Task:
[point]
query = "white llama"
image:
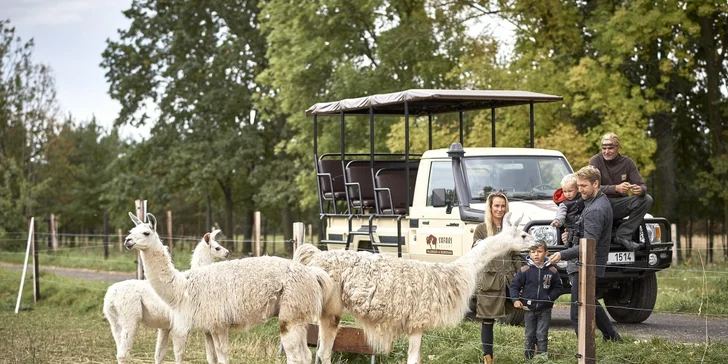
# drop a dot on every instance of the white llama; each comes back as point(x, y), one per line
point(132, 301)
point(393, 297)
point(239, 293)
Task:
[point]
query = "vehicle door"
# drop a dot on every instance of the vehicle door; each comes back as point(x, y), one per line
point(439, 236)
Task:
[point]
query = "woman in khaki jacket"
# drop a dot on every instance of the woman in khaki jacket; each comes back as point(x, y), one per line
point(494, 279)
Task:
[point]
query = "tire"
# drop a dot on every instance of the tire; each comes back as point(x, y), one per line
point(633, 301)
point(514, 318)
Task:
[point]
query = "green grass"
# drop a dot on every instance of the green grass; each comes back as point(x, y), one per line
point(688, 288)
point(67, 326)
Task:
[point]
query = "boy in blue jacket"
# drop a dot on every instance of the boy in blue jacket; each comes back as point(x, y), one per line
point(537, 285)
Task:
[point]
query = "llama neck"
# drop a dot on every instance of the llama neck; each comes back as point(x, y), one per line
point(201, 256)
point(162, 275)
point(477, 258)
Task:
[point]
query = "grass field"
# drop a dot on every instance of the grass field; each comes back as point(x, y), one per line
point(67, 326)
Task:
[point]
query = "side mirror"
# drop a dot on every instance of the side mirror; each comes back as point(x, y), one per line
point(440, 199)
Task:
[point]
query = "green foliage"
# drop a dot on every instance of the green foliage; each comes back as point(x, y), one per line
point(198, 63)
point(359, 48)
point(27, 112)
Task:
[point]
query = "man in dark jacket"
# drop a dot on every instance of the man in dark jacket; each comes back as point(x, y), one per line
point(596, 220)
point(537, 285)
point(625, 188)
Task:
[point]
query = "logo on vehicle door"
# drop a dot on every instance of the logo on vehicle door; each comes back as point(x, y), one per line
point(432, 242)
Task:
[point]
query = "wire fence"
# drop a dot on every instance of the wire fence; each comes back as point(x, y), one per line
point(700, 281)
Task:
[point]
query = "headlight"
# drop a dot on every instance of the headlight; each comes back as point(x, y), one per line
point(653, 233)
point(545, 233)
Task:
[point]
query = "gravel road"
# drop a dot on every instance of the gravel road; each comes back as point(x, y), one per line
point(678, 327)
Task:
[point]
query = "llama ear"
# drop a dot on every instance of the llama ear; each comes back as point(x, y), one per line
point(214, 233)
point(507, 220)
point(518, 221)
point(135, 219)
point(206, 238)
point(152, 220)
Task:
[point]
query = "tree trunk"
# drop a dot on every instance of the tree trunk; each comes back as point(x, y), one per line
point(229, 205)
point(667, 192)
point(287, 221)
point(248, 232)
point(689, 251)
point(713, 62)
point(208, 212)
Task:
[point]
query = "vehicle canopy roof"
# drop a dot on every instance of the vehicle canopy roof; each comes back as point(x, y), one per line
point(430, 101)
point(500, 152)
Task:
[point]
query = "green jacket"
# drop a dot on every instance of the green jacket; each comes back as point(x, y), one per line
point(494, 280)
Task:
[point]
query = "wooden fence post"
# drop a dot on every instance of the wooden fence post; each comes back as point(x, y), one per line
point(299, 233)
point(310, 233)
point(36, 271)
point(25, 263)
point(106, 235)
point(256, 228)
point(121, 242)
point(587, 280)
point(676, 253)
point(54, 234)
point(141, 212)
point(169, 232)
point(50, 239)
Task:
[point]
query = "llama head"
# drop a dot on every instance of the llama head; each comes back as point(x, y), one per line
point(513, 235)
point(216, 250)
point(305, 253)
point(510, 237)
point(143, 235)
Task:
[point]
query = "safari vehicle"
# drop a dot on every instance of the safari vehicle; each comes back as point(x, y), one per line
point(426, 206)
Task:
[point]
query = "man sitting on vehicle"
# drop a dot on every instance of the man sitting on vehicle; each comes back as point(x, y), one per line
point(623, 184)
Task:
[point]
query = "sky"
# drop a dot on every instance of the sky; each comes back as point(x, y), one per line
point(69, 37)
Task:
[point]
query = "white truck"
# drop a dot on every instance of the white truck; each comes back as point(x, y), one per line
point(426, 206)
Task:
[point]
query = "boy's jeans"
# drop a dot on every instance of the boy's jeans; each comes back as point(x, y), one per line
point(537, 331)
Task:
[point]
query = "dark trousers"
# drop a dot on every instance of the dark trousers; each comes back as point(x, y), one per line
point(633, 206)
point(537, 331)
point(602, 320)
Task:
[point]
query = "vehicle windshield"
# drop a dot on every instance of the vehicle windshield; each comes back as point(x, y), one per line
point(520, 177)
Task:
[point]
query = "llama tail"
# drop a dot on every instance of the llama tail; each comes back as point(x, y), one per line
point(331, 304)
point(305, 253)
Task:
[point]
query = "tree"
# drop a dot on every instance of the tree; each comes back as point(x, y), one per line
point(361, 48)
point(27, 112)
point(197, 62)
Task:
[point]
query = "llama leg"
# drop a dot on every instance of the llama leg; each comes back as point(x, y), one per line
point(126, 336)
point(293, 338)
point(162, 341)
point(413, 350)
point(220, 337)
point(328, 327)
point(116, 332)
point(179, 342)
point(210, 348)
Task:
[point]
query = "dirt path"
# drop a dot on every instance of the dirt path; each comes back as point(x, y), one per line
point(678, 327)
point(87, 274)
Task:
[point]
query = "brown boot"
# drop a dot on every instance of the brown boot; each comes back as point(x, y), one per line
point(487, 359)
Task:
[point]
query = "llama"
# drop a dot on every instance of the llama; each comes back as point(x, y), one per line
point(132, 301)
point(238, 293)
point(393, 297)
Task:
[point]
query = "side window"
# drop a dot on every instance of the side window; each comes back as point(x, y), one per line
point(441, 177)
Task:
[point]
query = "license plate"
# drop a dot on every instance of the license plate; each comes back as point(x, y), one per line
point(620, 258)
